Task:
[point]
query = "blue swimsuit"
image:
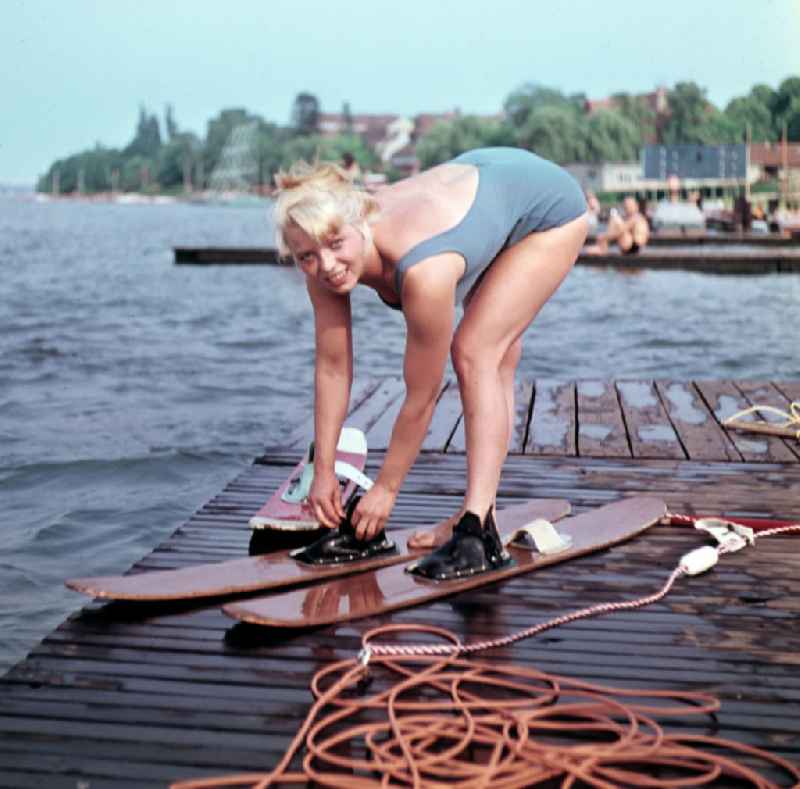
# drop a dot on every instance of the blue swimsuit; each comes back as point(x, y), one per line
point(518, 193)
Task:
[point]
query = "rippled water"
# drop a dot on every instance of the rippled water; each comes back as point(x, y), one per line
point(132, 389)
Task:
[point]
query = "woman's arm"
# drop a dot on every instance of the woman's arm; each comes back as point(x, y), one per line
point(333, 376)
point(428, 307)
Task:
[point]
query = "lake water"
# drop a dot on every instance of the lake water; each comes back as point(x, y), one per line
point(132, 390)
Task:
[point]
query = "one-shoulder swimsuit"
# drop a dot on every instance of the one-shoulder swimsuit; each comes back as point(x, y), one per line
point(518, 193)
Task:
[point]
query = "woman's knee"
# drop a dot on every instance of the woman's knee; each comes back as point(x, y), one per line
point(471, 357)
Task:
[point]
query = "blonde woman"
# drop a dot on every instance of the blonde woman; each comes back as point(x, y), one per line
point(497, 229)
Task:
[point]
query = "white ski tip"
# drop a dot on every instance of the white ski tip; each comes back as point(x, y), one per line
point(353, 441)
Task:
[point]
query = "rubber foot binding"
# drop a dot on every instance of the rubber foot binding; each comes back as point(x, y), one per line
point(341, 545)
point(473, 549)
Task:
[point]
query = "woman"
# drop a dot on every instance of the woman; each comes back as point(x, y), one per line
point(495, 228)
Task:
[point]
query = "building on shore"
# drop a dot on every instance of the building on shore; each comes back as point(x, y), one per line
point(715, 171)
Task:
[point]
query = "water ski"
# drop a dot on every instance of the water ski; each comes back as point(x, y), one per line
point(286, 509)
point(278, 570)
point(390, 588)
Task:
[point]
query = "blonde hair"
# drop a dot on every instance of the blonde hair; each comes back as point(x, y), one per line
point(320, 198)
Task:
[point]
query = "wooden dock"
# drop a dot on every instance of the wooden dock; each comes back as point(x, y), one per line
point(136, 696)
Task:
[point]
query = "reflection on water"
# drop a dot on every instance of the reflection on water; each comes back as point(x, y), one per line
point(132, 389)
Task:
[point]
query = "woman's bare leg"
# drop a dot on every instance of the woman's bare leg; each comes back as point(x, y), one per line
point(512, 292)
point(617, 233)
point(431, 538)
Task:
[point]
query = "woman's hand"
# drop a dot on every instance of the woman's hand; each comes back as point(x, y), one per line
point(325, 499)
point(373, 511)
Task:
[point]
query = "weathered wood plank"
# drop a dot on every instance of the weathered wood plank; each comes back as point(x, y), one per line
point(789, 389)
point(445, 418)
point(523, 397)
point(699, 432)
point(601, 428)
point(361, 390)
point(552, 428)
point(371, 415)
point(649, 429)
point(523, 392)
point(724, 399)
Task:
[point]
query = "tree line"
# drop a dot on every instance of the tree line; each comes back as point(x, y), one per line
point(162, 157)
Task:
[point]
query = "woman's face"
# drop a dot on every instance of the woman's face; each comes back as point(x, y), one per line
point(337, 262)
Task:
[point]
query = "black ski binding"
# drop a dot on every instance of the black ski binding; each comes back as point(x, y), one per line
point(340, 546)
point(472, 549)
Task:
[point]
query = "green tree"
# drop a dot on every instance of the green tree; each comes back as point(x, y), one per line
point(753, 111)
point(138, 174)
point(147, 137)
point(177, 159)
point(529, 98)
point(450, 138)
point(719, 128)
point(312, 147)
point(689, 110)
point(610, 136)
point(169, 123)
point(786, 108)
point(639, 113)
point(90, 169)
point(556, 133)
point(305, 114)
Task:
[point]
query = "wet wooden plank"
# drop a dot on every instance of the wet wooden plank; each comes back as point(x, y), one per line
point(789, 389)
point(724, 399)
point(601, 428)
point(371, 410)
point(552, 427)
point(650, 432)
point(445, 418)
point(766, 393)
point(523, 397)
point(360, 392)
point(700, 434)
point(383, 407)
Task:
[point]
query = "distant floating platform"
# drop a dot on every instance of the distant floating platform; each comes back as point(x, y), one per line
point(716, 259)
point(732, 257)
point(704, 238)
point(228, 255)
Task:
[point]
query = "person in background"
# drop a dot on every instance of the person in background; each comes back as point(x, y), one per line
point(351, 167)
point(630, 232)
point(593, 211)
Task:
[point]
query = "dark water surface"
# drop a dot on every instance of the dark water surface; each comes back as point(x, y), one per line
point(132, 390)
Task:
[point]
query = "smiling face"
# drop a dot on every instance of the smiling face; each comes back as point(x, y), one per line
point(336, 262)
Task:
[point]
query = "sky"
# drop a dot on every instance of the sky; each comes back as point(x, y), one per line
point(75, 73)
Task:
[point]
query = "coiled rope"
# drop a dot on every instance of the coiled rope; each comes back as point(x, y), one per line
point(789, 427)
point(444, 721)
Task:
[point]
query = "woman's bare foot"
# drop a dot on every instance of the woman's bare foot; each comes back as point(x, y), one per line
point(433, 538)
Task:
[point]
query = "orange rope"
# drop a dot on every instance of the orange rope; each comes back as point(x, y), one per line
point(444, 721)
point(447, 721)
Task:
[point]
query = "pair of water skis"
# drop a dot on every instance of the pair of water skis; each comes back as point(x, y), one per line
point(299, 589)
